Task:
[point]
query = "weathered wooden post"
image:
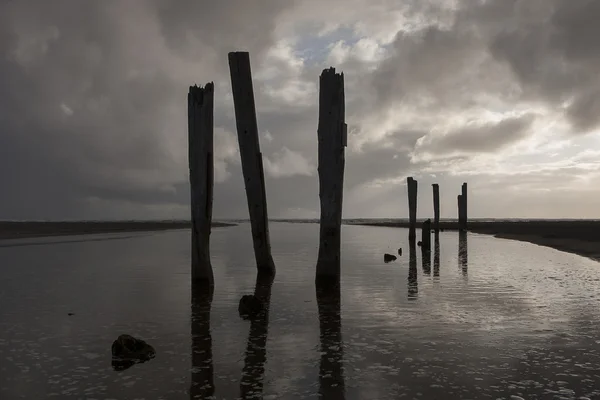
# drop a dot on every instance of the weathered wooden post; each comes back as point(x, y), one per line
point(331, 375)
point(426, 235)
point(332, 138)
point(412, 186)
point(200, 158)
point(203, 386)
point(464, 206)
point(436, 207)
point(252, 166)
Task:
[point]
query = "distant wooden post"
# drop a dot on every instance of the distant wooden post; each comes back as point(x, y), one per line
point(464, 206)
point(332, 139)
point(412, 186)
point(426, 235)
point(200, 157)
point(460, 211)
point(436, 207)
point(252, 166)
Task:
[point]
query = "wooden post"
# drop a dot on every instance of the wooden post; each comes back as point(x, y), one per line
point(203, 385)
point(460, 212)
point(252, 167)
point(436, 207)
point(426, 235)
point(332, 139)
point(412, 186)
point(200, 158)
point(331, 372)
point(464, 206)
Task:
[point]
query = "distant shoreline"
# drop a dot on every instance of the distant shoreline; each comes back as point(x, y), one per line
point(581, 237)
point(22, 230)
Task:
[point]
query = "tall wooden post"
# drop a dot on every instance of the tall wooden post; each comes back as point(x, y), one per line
point(332, 139)
point(200, 157)
point(413, 285)
point(252, 166)
point(412, 186)
point(464, 206)
point(436, 207)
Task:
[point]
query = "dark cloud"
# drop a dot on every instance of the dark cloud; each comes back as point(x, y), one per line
point(478, 138)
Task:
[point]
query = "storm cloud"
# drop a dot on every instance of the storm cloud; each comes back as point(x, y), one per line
point(93, 103)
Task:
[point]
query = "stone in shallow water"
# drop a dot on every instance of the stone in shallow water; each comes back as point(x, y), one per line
point(250, 306)
point(389, 258)
point(128, 351)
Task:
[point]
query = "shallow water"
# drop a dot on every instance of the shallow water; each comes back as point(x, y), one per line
point(493, 319)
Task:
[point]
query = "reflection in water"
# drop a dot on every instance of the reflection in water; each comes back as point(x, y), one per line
point(426, 260)
point(436, 256)
point(463, 252)
point(413, 288)
point(202, 359)
point(331, 376)
point(251, 385)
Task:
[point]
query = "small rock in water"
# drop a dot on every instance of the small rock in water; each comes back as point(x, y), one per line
point(419, 243)
point(70, 314)
point(127, 351)
point(388, 258)
point(250, 307)
point(400, 251)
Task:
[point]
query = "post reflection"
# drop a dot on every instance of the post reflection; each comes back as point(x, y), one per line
point(426, 260)
point(413, 287)
point(463, 252)
point(251, 384)
point(331, 376)
point(436, 256)
point(202, 386)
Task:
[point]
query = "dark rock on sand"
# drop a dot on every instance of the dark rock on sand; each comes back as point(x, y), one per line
point(419, 243)
point(250, 307)
point(400, 251)
point(128, 351)
point(389, 258)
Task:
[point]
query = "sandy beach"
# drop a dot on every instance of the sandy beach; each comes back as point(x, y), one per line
point(577, 236)
point(18, 230)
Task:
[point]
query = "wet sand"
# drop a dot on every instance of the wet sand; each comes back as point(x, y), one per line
point(19, 230)
point(577, 237)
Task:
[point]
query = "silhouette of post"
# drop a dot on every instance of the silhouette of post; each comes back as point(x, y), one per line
point(332, 139)
point(436, 207)
point(252, 166)
point(426, 236)
point(412, 186)
point(200, 158)
point(331, 375)
point(251, 384)
point(203, 385)
point(464, 206)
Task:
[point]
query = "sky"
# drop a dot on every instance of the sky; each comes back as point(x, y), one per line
point(502, 94)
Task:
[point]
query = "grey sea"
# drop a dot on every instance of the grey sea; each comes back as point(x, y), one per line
point(480, 318)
